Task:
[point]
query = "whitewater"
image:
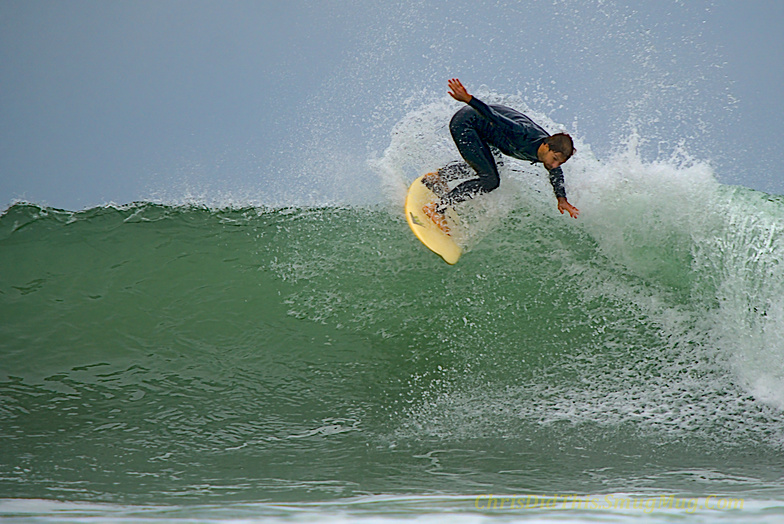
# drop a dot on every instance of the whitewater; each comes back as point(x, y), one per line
point(177, 359)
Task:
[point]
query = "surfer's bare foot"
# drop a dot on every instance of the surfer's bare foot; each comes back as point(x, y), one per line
point(436, 184)
point(438, 218)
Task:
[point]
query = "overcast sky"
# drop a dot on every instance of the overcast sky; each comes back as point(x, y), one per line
point(109, 101)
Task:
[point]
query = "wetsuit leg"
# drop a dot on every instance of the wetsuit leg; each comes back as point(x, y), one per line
point(476, 152)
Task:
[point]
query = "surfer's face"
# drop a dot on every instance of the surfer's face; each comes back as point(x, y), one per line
point(550, 159)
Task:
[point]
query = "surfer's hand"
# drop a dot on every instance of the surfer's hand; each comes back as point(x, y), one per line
point(458, 92)
point(564, 205)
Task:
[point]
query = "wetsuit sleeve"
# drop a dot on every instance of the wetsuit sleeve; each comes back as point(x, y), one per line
point(493, 116)
point(557, 180)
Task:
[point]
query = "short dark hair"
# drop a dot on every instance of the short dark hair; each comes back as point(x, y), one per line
point(561, 143)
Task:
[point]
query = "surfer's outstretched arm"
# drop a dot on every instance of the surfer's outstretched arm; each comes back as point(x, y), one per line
point(458, 92)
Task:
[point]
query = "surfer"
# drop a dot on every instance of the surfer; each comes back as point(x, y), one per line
point(477, 127)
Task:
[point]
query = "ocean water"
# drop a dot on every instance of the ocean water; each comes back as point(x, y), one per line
point(182, 361)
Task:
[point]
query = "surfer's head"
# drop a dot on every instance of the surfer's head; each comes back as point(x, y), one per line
point(555, 150)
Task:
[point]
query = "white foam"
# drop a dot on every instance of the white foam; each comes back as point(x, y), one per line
point(695, 263)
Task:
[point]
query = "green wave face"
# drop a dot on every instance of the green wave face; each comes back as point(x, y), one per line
point(153, 353)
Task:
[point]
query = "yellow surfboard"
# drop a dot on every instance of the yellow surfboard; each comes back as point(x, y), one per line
point(425, 229)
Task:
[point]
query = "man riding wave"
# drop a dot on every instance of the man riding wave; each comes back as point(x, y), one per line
point(475, 129)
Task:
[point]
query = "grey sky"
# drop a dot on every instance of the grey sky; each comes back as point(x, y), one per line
point(114, 101)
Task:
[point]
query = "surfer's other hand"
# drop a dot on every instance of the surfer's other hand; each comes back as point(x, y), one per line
point(564, 205)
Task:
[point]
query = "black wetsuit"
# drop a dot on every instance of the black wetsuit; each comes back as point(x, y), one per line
point(478, 127)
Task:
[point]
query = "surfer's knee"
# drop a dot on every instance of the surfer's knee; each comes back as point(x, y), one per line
point(462, 122)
